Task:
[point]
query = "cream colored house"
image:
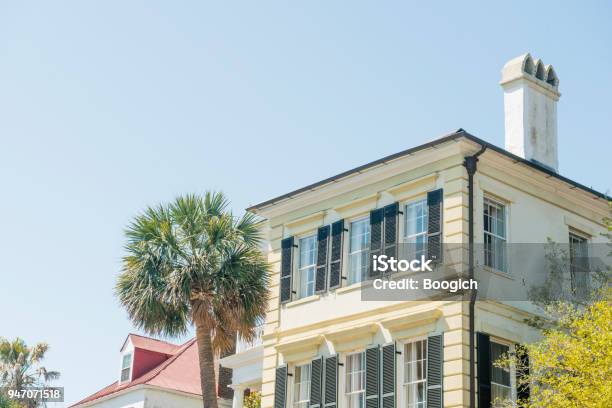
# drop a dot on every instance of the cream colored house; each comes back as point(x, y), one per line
point(325, 347)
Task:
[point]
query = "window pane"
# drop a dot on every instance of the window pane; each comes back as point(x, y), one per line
point(501, 222)
point(307, 251)
point(356, 400)
point(416, 218)
point(306, 266)
point(415, 374)
point(500, 377)
point(499, 394)
point(494, 220)
point(415, 228)
point(579, 265)
point(358, 249)
point(301, 386)
point(127, 361)
point(355, 380)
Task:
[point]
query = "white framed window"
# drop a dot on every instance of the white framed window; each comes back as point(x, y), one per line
point(415, 227)
point(415, 374)
point(359, 241)
point(354, 385)
point(494, 214)
point(501, 384)
point(301, 386)
point(307, 263)
point(126, 367)
point(579, 264)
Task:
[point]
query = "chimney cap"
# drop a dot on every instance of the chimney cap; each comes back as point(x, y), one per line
point(525, 67)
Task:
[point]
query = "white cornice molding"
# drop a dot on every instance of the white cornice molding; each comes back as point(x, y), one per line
point(358, 202)
point(311, 218)
point(397, 323)
point(542, 184)
point(244, 358)
point(352, 332)
point(300, 344)
point(363, 178)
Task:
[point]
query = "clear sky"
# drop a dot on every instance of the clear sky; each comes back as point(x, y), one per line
point(108, 106)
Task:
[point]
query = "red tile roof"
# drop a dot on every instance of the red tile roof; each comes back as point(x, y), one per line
point(180, 372)
point(148, 343)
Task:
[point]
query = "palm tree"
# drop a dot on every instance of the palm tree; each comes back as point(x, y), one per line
point(20, 366)
point(193, 262)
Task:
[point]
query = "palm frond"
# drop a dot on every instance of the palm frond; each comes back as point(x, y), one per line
point(193, 261)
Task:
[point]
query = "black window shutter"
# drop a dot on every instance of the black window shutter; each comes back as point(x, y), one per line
point(376, 238)
point(280, 387)
point(286, 269)
point(484, 370)
point(322, 245)
point(330, 389)
point(434, 225)
point(522, 390)
point(388, 376)
point(316, 382)
point(372, 377)
point(335, 265)
point(435, 361)
point(391, 212)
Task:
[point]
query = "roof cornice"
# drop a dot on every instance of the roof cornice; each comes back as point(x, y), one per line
point(454, 136)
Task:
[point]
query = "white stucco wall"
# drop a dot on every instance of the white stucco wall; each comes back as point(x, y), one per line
point(151, 397)
point(164, 399)
point(248, 374)
point(131, 399)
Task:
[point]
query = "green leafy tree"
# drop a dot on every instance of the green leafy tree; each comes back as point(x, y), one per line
point(20, 367)
point(6, 402)
point(193, 262)
point(571, 366)
point(253, 400)
point(555, 290)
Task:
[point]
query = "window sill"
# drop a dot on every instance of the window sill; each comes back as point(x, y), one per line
point(497, 272)
point(302, 301)
point(350, 288)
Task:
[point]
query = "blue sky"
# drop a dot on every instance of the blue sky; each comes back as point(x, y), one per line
point(106, 107)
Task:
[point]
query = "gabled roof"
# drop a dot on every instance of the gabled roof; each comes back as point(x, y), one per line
point(147, 343)
point(180, 372)
point(458, 134)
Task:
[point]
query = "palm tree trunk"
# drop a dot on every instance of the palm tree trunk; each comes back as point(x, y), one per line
point(207, 366)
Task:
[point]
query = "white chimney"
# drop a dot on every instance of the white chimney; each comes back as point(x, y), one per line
point(531, 92)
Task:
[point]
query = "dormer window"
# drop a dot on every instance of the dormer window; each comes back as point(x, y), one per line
point(126, 367)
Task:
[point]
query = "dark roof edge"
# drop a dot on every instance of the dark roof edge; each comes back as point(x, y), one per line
point(536, 166)
point(459, 133)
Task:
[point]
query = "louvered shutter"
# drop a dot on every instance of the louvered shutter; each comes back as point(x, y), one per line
point(286, 269)
point(376, 238)
point(388, 376)
point(335, 264)
point(434, 225)
point(330, 389)
point(322, 245)
point(484, 370)
point(372, 377)
point(390, 238)
point(435, 360)
point(522, 390)
point(316, 382)
point(280, 387)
